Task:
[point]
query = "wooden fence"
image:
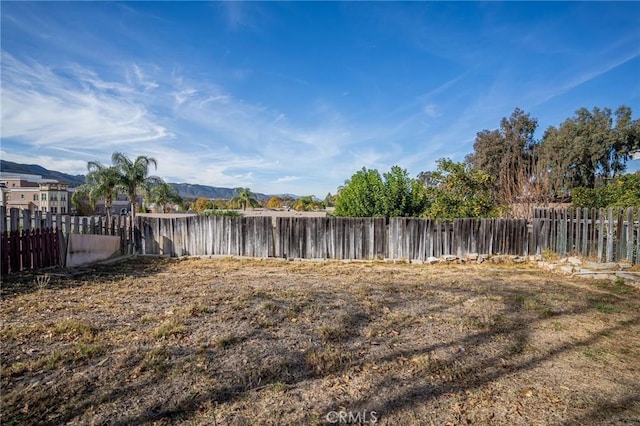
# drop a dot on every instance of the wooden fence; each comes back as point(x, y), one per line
point(30, 241)
point(33, 240)
point(604, 235)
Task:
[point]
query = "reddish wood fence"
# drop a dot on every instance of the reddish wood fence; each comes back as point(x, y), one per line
point(29, 249)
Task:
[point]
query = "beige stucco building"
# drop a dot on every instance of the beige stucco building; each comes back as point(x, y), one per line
point(32, 192)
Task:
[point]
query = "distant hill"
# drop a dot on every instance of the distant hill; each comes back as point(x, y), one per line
point(189, 190)
point(185, 190)
point(34, 169)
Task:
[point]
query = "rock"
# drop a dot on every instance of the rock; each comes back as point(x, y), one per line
point(500, 258)
point(608, 266)
point(472, 256)
point(449, 258)
point(574, 260)
point(431, 260)
point(633, 276)
point(567, 269)
point(624, 265)
point(596, 275)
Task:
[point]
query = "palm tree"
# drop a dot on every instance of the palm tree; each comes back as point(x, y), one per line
point(245, 198)
point(134, 176)
point(163, 194)
point(304, 204)
point(100, 182)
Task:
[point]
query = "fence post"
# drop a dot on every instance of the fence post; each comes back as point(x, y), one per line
point(637, 259)
point(592, 233)
point(630, 235)
point(610, 235)
point(27, 249)
point(601, 232)
point(620, 249)
point(3, 214)
point(4, 237)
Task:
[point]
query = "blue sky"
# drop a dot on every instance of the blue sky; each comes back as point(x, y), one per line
point(296, 97)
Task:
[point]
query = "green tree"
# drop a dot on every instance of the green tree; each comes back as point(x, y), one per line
point(201, 204)
point(101, 182)
point(305, 203)
point(274, 203)
point(134, 176)
point(460, 191)
point(362, 195)
point(244, 197)
point(402, 196)
point(367, 194)
point(588, 149)
point(220, 203)
point(164, 194)
point(329, 200)
point(508, 154)
point(623, 191)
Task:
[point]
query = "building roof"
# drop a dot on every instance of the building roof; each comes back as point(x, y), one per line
point(27, 177)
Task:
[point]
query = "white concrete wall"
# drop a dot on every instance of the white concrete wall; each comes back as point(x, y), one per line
point(83, 249)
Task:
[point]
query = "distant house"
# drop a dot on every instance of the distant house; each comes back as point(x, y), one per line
point(32, 192)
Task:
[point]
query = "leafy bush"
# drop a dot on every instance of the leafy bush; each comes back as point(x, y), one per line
point(367, 194)
point(458, 191)
point(621, 192)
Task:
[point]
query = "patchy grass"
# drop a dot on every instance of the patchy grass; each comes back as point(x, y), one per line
point(170, 328)
point(239, 342)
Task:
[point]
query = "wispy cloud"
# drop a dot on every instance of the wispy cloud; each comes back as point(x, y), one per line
point(54, 163)
point(584, 75)
point(286, 179)
point(46, 108)
point(431, 111)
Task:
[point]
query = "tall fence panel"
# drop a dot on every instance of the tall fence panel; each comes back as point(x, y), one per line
point(330, 238)
point(206, 235)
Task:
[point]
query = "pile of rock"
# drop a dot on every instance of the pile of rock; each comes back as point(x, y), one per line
point(586, 268)
point(571, 265)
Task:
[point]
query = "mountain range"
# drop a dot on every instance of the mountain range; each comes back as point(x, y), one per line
point(185, 190)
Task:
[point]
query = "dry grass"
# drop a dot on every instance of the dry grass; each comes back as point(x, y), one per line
point(268, 342)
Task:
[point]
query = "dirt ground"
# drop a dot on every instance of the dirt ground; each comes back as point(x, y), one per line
point(244, 342)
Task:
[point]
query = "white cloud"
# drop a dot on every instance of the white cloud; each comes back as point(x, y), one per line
point(52, 163)
point(42, 107)
point(285, 179)
point(431, 111)
point(142, 80)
